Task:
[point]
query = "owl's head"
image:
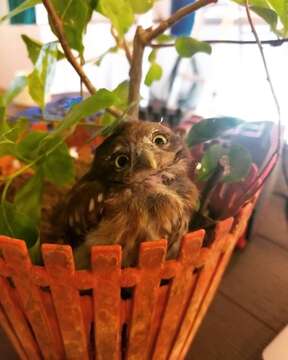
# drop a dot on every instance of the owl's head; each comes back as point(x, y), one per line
point(137, 150)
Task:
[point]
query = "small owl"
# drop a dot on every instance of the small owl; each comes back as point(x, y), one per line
point(137, 189)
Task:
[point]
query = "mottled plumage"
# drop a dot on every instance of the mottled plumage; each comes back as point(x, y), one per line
point(137, 190)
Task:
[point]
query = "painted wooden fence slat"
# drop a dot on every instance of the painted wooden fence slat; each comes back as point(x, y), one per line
point(180, 290)
point(16, 254)
point(150, 262)
point(106, 267)
point(59, 264)
point(16, 317)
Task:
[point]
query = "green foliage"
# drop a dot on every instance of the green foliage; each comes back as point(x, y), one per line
point(268, 15)
point(28, 197)
point(57, 164)
point(16, 224)
point(46, 155)
point(24, 6)
point(119, 12)
point(155, 71)
point(272, 12)
point(187, 47)
point(99, 101)
point(237, 163)
point(75, 16)
point(34, 48)
point(141, 6)
point(281, 8)
point(14, 89)
point(211, 128)
point(40, 80)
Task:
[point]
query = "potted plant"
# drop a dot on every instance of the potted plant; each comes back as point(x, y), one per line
point(53, 311)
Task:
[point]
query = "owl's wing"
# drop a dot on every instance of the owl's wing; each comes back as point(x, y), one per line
point(82, 210)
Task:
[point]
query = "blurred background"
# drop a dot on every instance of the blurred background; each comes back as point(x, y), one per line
point(251, 306)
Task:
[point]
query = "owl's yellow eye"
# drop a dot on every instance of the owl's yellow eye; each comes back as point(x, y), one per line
point(121, 161)
point(160, 139)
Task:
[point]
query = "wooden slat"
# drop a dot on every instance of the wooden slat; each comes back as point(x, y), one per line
point(4, 323)
point(213, 286)
point(151, 259)
point(59, 263)
point(16, 255)
point(17, 318)
point(180, 289)
point(106, 267)
point(202, 285)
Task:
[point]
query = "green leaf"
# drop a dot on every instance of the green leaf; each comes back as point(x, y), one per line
point(28, 197)
point(164, 38)
point(122, 93)
point(35, 252)
point(24, 6)
point(75, 16)
point(99, 101)
point(34, 48)
point(28, 148)
point(239, 162)
point(209, 162)
point(211, 128)
point(154, 74)
point(18, 225)
point(57, 164)
point(237, 159)
point(16, 129)
point(187, 47)
point(41, 78)
point(152, 56)
point(8, 147)
point(14, 89)
point(281, 8)
point(119, 12)
point(141, 6)
point(268, 15)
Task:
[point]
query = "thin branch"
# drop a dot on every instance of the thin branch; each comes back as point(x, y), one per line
point(143, 38)
point(136, 72)
point(58, 27)
point(122, 43)
point(276, 42)
point(258, 182)
point(174, 18)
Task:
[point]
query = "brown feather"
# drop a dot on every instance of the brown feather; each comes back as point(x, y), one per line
point(150, 198)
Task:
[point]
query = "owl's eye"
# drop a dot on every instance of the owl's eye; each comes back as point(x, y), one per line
point(160, 140)
point(121, 161)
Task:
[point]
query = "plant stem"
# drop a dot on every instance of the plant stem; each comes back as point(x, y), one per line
point(277, 42)
point(258, 182)
point(58, 26)
point(173, 19)
point(143, 38)
point(122, 43)
point(136, 73)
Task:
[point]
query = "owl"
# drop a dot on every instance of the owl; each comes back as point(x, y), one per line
point(136, 190)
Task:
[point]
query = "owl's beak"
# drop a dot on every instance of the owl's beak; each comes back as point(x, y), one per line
point(148, 159)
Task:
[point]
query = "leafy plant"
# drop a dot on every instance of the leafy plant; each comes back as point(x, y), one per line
point(45, 155)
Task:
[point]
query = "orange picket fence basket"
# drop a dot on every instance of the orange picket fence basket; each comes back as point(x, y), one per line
point(55, 312)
